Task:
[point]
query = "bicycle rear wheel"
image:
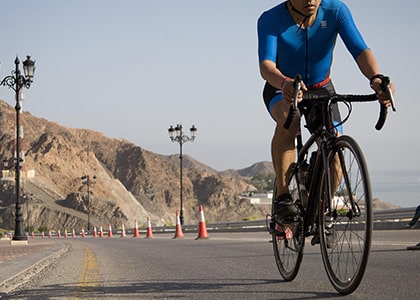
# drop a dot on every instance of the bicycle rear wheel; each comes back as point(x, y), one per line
point(345, 218)
point(288, 241)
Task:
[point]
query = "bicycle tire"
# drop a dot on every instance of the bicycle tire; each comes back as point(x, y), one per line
point(288, 243)
point(345, 222)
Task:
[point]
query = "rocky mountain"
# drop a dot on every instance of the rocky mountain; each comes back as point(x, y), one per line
point(265, 168)
point(131, 182)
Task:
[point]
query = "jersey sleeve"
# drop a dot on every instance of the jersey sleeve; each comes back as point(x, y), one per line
point(349, 32)
point(267, 38)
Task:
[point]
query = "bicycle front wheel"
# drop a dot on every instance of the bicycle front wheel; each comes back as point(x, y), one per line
point(288, 240)
point(345, 215)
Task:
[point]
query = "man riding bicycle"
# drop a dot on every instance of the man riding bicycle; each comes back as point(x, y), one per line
point(298, 37)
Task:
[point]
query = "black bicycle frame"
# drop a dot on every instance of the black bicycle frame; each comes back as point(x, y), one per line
point(323, 137)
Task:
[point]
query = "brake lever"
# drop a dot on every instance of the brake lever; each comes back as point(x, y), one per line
point(386, 87)
point(297, 85)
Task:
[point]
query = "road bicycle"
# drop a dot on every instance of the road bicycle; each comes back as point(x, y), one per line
point(329, 183)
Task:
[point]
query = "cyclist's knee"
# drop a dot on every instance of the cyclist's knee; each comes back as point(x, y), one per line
point(280, 110)
point(288, 134)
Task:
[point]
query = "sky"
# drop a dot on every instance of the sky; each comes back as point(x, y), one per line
point(131, 68)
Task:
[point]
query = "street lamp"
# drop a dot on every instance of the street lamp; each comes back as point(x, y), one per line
point(16, 81)
point(176, 135)
point(5, 172)
point(28, 197)
point(86, 181)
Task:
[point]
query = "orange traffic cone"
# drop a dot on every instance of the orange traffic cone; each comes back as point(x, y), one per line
point(33, 234)
point(73, 233)
point(101, 232)
point(123, 234)
point(58, 233)
point(49, 233)
point(65, 233)
point(109, 230)
point(136, 229)
point(178, 229)
point(42, 234)
point(149, 234)
point(95, 233)
point(202, 229)
point(83, 233)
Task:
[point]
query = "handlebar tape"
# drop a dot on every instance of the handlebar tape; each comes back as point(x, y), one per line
point(297, 85)
point(385, 81)
point(382, 117)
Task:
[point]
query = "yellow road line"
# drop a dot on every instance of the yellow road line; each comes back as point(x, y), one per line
point(89, 278)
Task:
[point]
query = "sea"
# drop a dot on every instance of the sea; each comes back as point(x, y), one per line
point(401, 188)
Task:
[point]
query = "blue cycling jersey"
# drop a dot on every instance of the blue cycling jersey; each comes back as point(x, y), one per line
point(307, 51)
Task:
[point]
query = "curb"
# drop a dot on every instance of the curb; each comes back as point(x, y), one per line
point(37, 262)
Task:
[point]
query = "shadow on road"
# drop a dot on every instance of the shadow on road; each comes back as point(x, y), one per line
point(194, 289)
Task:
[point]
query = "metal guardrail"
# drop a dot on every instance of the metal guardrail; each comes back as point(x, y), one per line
point(383, 219)
point(394, 214)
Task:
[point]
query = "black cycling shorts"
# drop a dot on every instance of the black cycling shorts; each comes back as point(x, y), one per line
point(313, 116)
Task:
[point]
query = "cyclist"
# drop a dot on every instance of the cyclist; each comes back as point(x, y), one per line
point(415, 247)
point(415, 218)
point(298, 37)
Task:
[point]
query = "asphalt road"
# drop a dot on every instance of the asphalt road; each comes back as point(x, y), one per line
point(226, 266)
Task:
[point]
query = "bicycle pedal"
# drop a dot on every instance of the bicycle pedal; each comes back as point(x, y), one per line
point(315, 240)
point(271, 226)
point(276, 232)
point(279, 233)
point(292, 219)
point(274, 229)
point(271, 230)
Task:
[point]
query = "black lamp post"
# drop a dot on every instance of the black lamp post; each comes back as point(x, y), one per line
point(16, 81)
point(86, 181)
point(176, 135)
point(28, 197)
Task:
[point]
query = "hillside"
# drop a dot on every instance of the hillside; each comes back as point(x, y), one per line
point(265, 168)
point(132, 183)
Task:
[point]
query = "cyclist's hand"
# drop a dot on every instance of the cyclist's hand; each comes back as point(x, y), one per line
point(288, 91)
point(382, 96)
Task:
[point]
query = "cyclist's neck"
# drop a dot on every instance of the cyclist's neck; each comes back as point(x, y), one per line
point(299, 17)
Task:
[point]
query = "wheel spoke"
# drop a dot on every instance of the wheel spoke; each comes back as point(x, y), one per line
point(345, 242)
point(288, 243)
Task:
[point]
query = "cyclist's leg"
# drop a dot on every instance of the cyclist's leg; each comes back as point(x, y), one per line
point(415, 218)
point(335, 174)
point(336, 171)
point(283, 151)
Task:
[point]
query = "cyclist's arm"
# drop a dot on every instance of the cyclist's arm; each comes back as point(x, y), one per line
point(273, 75)
point(267, 51)
point(270, 73)
point(361, 53)
point(367, 63)
point(369, 67)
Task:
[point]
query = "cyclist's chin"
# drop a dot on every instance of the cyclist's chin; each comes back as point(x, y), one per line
point(310, 10)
